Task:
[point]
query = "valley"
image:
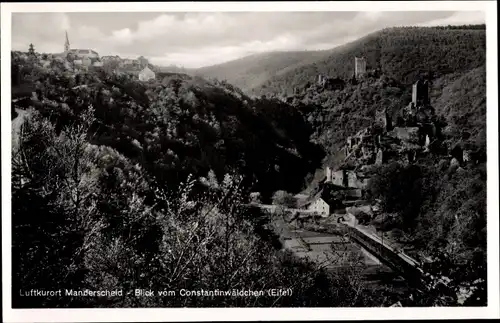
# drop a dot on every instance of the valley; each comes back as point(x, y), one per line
point(364, 166)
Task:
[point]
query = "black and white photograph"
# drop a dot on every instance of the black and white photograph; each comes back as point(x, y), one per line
point(278, 158)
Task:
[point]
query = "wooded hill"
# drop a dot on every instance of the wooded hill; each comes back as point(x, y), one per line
point(403, 53)
point(253, 71)
point(181, 125)
point(439, 208)
point(121, 184)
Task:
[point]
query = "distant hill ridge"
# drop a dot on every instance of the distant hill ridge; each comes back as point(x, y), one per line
point(403, 53)
point(254, 70)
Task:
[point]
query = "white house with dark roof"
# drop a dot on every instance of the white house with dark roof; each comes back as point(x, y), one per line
point(316, 204)
point(146, 74)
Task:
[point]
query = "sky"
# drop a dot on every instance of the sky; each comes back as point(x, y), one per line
point(196, 39)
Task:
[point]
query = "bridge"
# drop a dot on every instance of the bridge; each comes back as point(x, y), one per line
point(398, 260)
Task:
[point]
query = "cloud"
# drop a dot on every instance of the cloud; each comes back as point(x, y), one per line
point(90, 33)
point(194, 39)
point(459, 18)
point(123, 36)
point(39, 29)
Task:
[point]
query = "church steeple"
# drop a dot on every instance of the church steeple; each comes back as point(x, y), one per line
point(66, 44)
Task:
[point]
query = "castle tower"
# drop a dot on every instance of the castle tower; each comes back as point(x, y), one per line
point(66, 44)
point(388, 121)
point(420, 93)
point(383, 119)
point(328, 175)
point(321, 79)
point(359, 66)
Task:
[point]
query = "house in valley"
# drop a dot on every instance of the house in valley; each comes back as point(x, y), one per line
point(345, 178)
point(316, 205)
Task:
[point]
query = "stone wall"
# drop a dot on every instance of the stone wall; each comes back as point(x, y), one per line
point(338, 178)
point(354, 182)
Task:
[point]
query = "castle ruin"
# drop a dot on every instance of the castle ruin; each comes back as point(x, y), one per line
point(420, 93)
point(321, 80)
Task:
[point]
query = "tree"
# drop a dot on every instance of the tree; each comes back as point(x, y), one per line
point(31, 50)
point(52, 202)
point(255, 197)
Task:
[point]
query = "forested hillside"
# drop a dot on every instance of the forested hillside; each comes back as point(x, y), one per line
point(463, 102)
point(252, 71)
point(433, 206)
point(119, 184)
point(403, 53)
point(124, 184)
point(187, 125)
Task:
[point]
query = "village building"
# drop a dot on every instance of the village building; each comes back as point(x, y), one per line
point(143, 62)
point(346, 179)
point(78, 53)
point(128, 63)
point(110, 58)
point(146, 74)
point(86, 61)
point(317, 205)
point(83, 53)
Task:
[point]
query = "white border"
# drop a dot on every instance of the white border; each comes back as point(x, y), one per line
point(205, 314)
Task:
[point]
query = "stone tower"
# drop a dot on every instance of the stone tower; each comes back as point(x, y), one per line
point(420, 93)
point(66, 44)
point(321, 79)
point(359, 66)
point(388, 121)
point(383, 119)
